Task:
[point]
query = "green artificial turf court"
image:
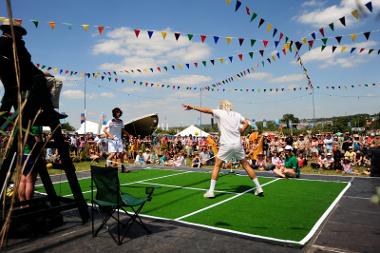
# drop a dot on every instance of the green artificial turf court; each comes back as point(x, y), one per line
point(290, 212)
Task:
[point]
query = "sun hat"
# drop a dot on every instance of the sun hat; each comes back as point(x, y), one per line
point(329, 154)
point(288, 147)
point(6, 26)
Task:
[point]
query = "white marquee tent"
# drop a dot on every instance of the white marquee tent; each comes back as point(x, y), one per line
point(194, 131)
point(91, 127)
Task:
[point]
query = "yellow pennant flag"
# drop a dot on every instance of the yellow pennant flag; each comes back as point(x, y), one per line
point(164, 34)
point(354, 36)
point(269, 27)
point(355, 13)
point(221, 60)
point(343, 49)
point(52, 24)
point(180, 66)
point(287, 46)
point(85, 27)
point(145, 70)
point(55, 70)
point(273, 57)
point(228, 2)
point(228, 40)
point(304, 41)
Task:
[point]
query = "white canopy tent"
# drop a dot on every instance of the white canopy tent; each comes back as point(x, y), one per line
point(91, 127)
point(194, 131)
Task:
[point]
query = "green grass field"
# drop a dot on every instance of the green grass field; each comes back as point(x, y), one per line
point(290, 212)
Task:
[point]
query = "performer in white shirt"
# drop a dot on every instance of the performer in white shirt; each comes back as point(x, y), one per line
point(229, 123)
point(114, 131)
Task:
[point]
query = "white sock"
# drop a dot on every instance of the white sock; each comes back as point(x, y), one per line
point(212, 185)
point(256, 181)
point(108, 163)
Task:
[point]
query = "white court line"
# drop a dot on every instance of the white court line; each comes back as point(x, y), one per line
point(141, 181)
point(187, 188)
point(221, 202)
point(324, 216)
point(353, 197)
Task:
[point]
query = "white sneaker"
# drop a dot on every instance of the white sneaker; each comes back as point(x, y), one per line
point(259, 192)
point(209, 194)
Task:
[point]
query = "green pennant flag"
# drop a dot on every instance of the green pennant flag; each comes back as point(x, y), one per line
point(323, 47)
point(254, 15)
point(251, 55)
point(324, 40)
point(35, 22)
point(204, 63)
point(370, 51)
point(253, 42)
point(331, 25)
point(286, 39)
point(190, 36)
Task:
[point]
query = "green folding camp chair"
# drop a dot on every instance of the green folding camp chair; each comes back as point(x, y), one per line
point(108, 200)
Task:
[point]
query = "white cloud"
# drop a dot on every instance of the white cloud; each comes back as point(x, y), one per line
point(143, 52)
point(321, 17)
point(107, 95)
point(313, 3)
point(188, 80)
point(258, 76)
point(73, 94)
point(288, 78)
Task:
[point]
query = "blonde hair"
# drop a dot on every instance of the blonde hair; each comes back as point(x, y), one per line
point(225, 105)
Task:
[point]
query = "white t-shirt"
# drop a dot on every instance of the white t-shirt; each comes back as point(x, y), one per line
point(115, 127)
point(229, 125)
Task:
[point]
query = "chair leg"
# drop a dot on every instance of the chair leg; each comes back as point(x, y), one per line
point(106, 218)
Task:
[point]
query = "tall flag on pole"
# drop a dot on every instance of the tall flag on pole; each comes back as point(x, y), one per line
point(82, 118)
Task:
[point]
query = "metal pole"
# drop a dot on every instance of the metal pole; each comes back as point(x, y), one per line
point(200, 105)
point(85, 103)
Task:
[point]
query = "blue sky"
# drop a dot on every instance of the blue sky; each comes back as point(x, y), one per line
point(118, 49)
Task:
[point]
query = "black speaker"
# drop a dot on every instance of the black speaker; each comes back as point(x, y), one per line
point(212, 122)
point(374, 155)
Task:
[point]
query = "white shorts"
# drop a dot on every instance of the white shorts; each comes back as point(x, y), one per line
point(115, 146)
point(229, 152)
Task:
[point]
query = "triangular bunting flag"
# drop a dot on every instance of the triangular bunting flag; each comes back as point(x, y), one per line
point(176, 35)
point(196, 64)
point(352, 50)
point(187, 65)
point(310, 42)
point(369, 6)
point(324, 40)
point(331, 25)
point(265, 43)
point(343, 49)
point(281, 36)
point(355, 13)
point(241, 40)
point(212, 62)
point(261, 22)
point(254, 15)
point(237, 5)
point(378, 52)
point(322, 31)
point(269, 27)
point(304, 41)
point(253, 42)
point(240, 57)
point(228, 40)
point(354, 36)
point(100, 29)
point(248, 10)
point(230, 58)
point(221, 60)
point(298, 45)
point(278, 55)
point(251, 55)
point(261, 52)
point(284, 51)
point(203, 38)
point(361, 50)
point(333, 48)
point(367, 34)
point(52, 24)
point(228, 2)
point(343, 21)
point(339, 39)
point(150, 34)
point(163, 34)
point(276, 42)
point(35, 22)
point(323, 47)
point(313, 35)
point(370, 51)
point(137, 32)
point(190, 36)
point(204, 63)
point(274, 32)
point(216, 38)
point(85, 27)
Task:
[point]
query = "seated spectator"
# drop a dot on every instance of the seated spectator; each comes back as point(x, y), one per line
point(196, 162)
point(350, 153)
point(146, 156)
point(164, 159)
point(359, 158)
point(302, 161)
point(277, 161)
point(139, 158)
point(204, 156)
point(327, 162)
point(261, 163)
point(291, 169)
point(153, 158)
point(178, 160)
point(347, 165)
point(337, 155)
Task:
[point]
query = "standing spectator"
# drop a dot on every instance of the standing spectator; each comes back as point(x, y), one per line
point(114, 131)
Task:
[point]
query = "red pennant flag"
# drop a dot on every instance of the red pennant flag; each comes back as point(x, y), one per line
point(203, 38)
point(322, 31)
point(240, 56)
point(137, 32)
point(310, 43)
point(241, 40)
point(284, 51)
point(281, 35)
point(176, 35)
point(265, 42)
point(100, 29)
point(196, 64)
point(361, 50)
point(159, 69)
